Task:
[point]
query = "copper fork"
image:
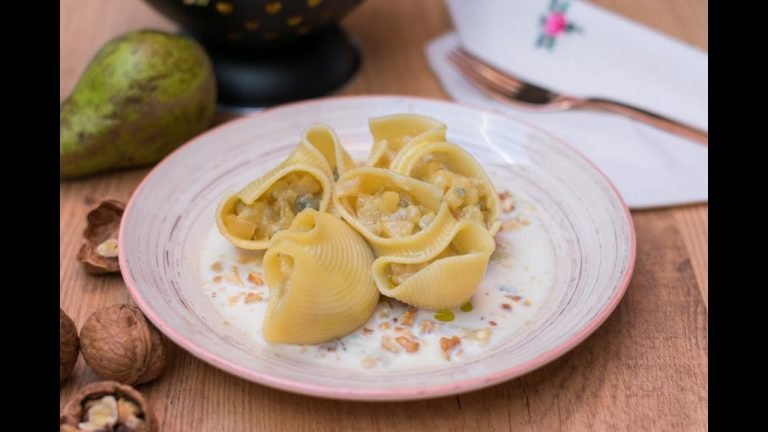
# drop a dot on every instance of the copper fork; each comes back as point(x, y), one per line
point(516, 92)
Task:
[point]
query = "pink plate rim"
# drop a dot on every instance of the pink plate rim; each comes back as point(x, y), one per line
point(373, 394)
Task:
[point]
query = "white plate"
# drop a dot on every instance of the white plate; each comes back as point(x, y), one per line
point(579, 247)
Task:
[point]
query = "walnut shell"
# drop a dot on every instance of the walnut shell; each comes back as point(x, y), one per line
point(103, 227)
point(68, 345)
point(119, 344)
point(74, 411)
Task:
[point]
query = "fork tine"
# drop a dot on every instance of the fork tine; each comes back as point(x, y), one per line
point(475, 61)
point(480, 79)
point(513, 85)
point(487, 87)
point(488, 71)
point(533, 92)
point(459, 59)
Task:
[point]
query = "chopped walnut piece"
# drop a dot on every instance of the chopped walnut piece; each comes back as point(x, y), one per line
point(234, 277)
point(386, 342)
point(408, 343)
point(447, 345)
point(384, 309)
point(368, 362)
point(492, 323)
point(481, 335)
point(407, 317)
point(234, 299)
point(506, 306)
point(252, 298)
point(384, 326)
point(514, 298)
point(367, 331)
point(427, 326)
point(255, 279)
point(402, 331)
point(217, 267)
point(507, 201)
point(511, 225)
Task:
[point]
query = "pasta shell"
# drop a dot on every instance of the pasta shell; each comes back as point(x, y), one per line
point(392, 133)
point(253, 228)
point(397, 215)
point(321, 147)
point(323, 139)
point(468, 189)
point(320, 284)
point(443, 278)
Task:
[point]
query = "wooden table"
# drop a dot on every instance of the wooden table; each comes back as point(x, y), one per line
point(644, 369)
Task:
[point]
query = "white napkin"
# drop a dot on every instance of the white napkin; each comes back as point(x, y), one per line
point(610, 57)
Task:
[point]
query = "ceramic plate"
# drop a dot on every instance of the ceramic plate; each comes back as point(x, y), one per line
point(564, 257)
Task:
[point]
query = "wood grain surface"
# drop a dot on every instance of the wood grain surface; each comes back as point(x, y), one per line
point(645, 369)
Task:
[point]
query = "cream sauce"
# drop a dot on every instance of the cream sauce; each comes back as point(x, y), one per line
point(517, 283)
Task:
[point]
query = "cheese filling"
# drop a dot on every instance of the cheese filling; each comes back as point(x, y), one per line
point(391, 214)
point(398, 273)
point(465, 196)
point(275, 209)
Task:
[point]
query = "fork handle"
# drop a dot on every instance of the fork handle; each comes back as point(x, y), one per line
point(642, 115)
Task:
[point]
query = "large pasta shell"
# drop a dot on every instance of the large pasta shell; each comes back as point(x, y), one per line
point(447, 282)
point(305, 153)
point(369, 180)
point(321, 147)
point(459, 161)
point(391, 133)
point(323, 139)
point(250, 193)
point(320, 284)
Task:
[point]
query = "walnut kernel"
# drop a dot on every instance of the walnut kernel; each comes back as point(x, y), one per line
point(108, 406)
point(386, 342)
point(447, 345)
point(406, 318)
point(408, 343)
point(98, 254)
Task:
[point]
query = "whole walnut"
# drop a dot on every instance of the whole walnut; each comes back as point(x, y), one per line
point(68, 345)
point(119, 344)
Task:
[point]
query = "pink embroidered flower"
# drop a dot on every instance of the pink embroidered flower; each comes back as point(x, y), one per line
point(555, 24)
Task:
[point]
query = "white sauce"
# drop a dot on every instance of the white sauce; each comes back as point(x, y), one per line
point(520, 275)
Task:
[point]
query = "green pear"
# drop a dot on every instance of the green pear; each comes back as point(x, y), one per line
point(142, 95)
